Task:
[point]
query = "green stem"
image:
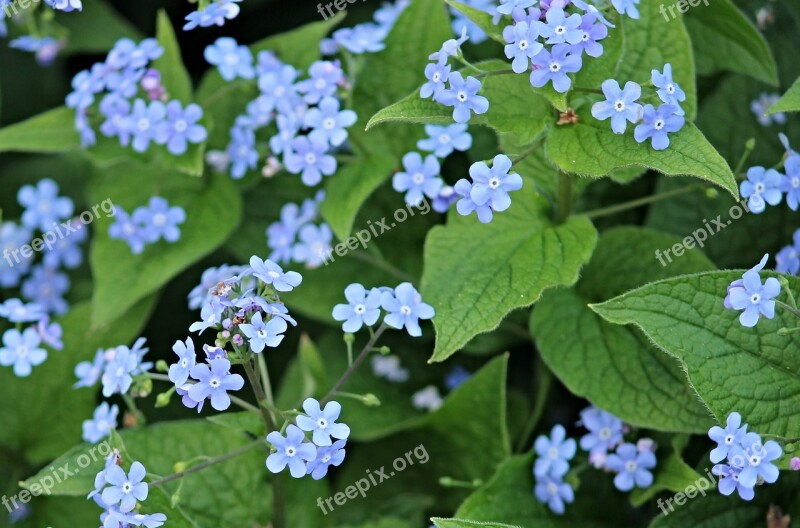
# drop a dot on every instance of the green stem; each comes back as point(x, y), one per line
point(530, 150)
point(564, 197)
point(788, 308)
point(252, 377)
point(265, 382)
point(244, 404)
point(544, 378)
point(357, 363)
point(131, 404)
point(208, 463)
point(633, 204)
point(748, 149)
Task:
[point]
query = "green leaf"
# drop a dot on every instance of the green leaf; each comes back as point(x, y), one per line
point(481, 18)
point(244, 421)
point(174, 76)
point(48, 391)
point(790, 102)
point(462, 523)
point(731, 367)
point(723, 38)
point(349, 189)
point(615, 367)
point(299, 47)
point(305, 377)
point(590, 148)
point(671, 474)
point(213, 210)
point(475, 274)
point(97, 29)
point(49, 132)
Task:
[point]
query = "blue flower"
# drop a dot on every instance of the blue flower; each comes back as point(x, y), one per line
point(761, 106)
point(322, 422)
point(727, 438)
point(561, 28)
point(327, 456)
point(436, 73)
point(554, 453)
point(506, 7)
point(419, 178)
point(46, 288)
point(324, 80)
point(554, 492)
point(788, 259)
point(66, 251)
point(271, 273)
point(279, 86)
point(125, 229)
point(116, 109)
point(405, 309)
point(309, 157)
point(668, 90)
point(125, 489)
point(456, 377)
point(292, 451)
point(84, 87)
point(463, 95)
point(179, 372)
point(45, 48)
point(214, 14)
point(593, 31)
point(18, 312)
point(389, 368)
point(790, 183)
point(605, 430)
point(43, 206)
point(756, 457)
point(632, 467)
point(89, 372)
point(119, 370)
point(523, 44)
point(731, 480)
point(159, 220)
point(125, 83)
point(99, 427)
point(466, 206)
point(65, 5)
point(363, 308)
point(50, 333)
point(491, 186)
point(261, 334)
point(187, 400)
point(314, 245)
point(181, 128)
point(329, 121)
point(657, 124)
point(554, 66)
point(231, 59)
point(22, 350)
point(762, 185)
point(242, 151)
point(288, 127)
point(620, 105)
point(362, 38)
point(145, 124)
point(627, 7)
point(443, 140)
point(749, 295)
point(13, 265)
point(214, 380)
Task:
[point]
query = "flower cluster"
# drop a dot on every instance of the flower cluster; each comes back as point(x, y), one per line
point(103, 420)
point(325, 449)
point(24, 349)
point(43, 213)
point(552, 463)
point(622, 106)
point(116, 368)
point(296, 237)
point(366, 37)
point(750, 460)
point(134, 120)
point(211, 380)
point(752, 297)
point(768, 186)
point(488, 191)
point(403, 305)
point(214, 14)
point(148, 224)
point(119, 493)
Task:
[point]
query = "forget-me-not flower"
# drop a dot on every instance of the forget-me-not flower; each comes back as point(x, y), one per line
point(554, 453)
point(727, 438)
point(668, 90)
point(322, 422)
point(420, 178)
point(657, 124)
point(753, 297)
point(463, 96)
point(214, 380)
point(523, 44)
point(620, 105)
point(443, 140)
point(363, 308)
point(632, 467)
point(179, 372)
point(406, 308)
point(231, 59)
point(262, 334)
point(291, 450)
point(554, 65)
point(101, 424)
point(22, 351)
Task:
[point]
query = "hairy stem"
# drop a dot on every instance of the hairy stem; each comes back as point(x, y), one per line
point(208, 463)
point(357, 363)
point(633, 204)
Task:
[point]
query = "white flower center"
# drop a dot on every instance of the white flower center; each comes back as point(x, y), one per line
point(670, 88)
point(659, 124)
point(555, 67)
point(360, 309)
point(280, 91)
point(605, 433)
point(619, 106)
point(320, 84)
point(159, 219)
point(326, 459)
point(418, 178)
point(311, 158)
point(552, 453)
point(127, 487)
point(262, 333)
point(184, 363)
point(462, 96)
point(760, 187)
point(231, 59)
point(552, 489)
point(143, 125)
point(729, 439)
point(630, 466)
point(181, 125)
point(22, 352)
point(523, 44)
point(560, 30)
point(444, 139)
point(329, 123)
point(102, 425)
point(290, 451)
point(322, 423)
point(755, 298)
point(755, 460)
point(405, 310)
point(437, 77)
point(585, 37)
point(494, 183)
point(214, 383)
point(795, 182)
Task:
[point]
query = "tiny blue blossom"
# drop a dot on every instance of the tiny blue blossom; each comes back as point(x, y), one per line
point(463, 96)
point(325, 77)
point(437, 74)
point(322, 422)
point(159, 220)
point(125, 229)
point(330, 121)
point(242, 151)
point(66, 251)
point(627, 7)
point(85, 85)
point(362, 38)
point(620, 105)
point(605, 430)
point(420, 178)
point(314, 245)
point(523, 44)
point(632, 467)
point(753, 297)
point(50, 333)
point(327, 456)
point(180, 127)
point(466, 206)
point(13, 265)
point(215, 14)
point(363, 308)
point(18, 312)
point(125, 489)
point(562, 28)
point(554, 453)
point(761, 106)
point(790, 182)
point(43, 206)
point(731, 481)
point(658, 124)
point(553, 66)
point(89, 372)
point(788, 258)
point(119, 371)
point(101, 424)
point(291, 450)
point(443, 140)
point(554, 492)
point(22, 351)
point(46, 287)
point(263, 334)
point(309, 157)
point(187, 359)
point(727, 438)
point(756, 457)
point(761, 187)
point(456, 377)
point(668, 90)
point(405, 308)
point(491, 185)
point(214, 380)
point(145, 124)
point(271, 273)
point(231, 59)
point(593, 31)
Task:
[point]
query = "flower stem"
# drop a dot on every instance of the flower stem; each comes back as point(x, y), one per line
point(563, 198)
point(633, 204)
point(544, 378)
point(357, 363)
point(788, 308)
point(208, 463)
point(748, 149)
